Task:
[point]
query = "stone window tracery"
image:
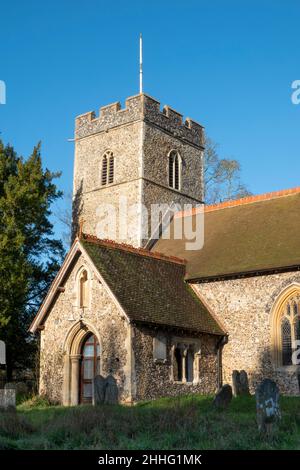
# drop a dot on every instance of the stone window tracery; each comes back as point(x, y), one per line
point(287, 329)
point(185, 363)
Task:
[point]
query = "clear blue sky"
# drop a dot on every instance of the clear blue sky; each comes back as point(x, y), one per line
point(227, 64)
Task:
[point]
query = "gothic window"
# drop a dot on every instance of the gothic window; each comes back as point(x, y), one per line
point(174, 170)
point(183, 362)
point(107, 168)
point(83, 289)
point(297, 328)
point(287, 330)
point(286, 336)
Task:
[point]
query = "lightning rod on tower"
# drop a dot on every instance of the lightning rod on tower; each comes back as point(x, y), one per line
point(141, 63)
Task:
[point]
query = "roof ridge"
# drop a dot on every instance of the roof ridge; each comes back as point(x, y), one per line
point(254, 198)
point(131, 249)
point(240, 202)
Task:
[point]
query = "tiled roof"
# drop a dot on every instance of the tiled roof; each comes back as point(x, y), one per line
point(250, 235)
point(243, 201)
point(149, 286)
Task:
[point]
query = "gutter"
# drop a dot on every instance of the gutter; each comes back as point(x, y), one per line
point(242, 274)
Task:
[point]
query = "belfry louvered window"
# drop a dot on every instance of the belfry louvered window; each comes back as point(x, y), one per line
point(174, 170)
point(290, 328)
point(108, 168)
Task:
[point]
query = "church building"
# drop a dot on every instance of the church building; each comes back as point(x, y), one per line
point(162, 319)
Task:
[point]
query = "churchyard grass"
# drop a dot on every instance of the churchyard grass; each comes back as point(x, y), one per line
point(171, 423)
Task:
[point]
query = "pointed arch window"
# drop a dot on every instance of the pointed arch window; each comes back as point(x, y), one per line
point(286, 336)
point(174, 170)
point(287, 329)
point(107, 168)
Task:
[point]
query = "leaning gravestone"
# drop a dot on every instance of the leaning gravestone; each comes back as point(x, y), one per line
point(99, 385)
point(267, 405)
point(240, 383)
point(223, 397)
point(111, 391)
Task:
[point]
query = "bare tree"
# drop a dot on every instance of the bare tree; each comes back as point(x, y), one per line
point(222, 182)
point(64, 216)
point(222, 176)
point(69, 215)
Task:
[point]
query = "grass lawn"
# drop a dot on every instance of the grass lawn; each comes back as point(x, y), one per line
point(171, 423)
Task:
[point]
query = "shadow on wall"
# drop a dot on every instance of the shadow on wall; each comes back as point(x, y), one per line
point(115, 360)
point(77, 208)
point(286, 377)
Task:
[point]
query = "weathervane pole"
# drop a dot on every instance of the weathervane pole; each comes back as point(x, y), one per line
point(141, 63)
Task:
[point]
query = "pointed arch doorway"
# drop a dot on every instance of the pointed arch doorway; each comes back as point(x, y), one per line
point(82, 361)
point(89, 367)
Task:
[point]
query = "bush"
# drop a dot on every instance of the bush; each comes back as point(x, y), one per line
point(34, 401)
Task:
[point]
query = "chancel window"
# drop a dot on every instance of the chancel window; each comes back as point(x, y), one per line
point(174, 170)
point(107, 168)
point(184, 362)
point(289, 328)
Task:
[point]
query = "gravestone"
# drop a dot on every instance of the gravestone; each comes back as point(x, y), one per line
point(267, 405)
point(223, 397)
point(99, 385)
point(2, 353)
point(20, 387)
point(105, 390)
point(111, 391)
point(240, 383)
point(2, 364)
point(7, 398)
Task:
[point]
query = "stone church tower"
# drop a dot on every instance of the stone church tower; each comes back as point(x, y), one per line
point(133, 158)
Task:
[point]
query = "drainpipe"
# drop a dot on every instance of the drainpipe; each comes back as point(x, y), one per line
point(219, 347)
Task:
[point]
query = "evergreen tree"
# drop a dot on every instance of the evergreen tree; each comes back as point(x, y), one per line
point(29, 254)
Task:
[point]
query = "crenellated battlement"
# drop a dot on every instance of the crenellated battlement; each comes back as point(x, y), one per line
point(137, 108)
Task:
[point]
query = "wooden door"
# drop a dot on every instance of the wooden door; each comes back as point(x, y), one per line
point(90, 367)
